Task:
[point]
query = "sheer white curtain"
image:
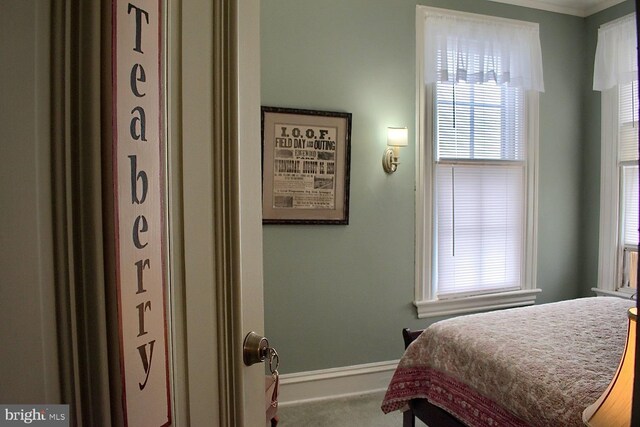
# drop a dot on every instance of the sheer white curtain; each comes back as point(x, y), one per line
point(616, 60)
point(465, 48)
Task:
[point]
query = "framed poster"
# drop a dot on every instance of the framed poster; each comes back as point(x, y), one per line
point(305, 166)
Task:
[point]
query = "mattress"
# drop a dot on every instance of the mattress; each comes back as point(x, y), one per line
point(533, 366)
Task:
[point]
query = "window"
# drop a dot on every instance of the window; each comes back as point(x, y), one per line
point(618, 260)
point(477, 181)
point(615, 74)
point(628, 169)
point(479, 188)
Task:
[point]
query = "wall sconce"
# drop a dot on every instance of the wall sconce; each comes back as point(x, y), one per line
point(396, 138)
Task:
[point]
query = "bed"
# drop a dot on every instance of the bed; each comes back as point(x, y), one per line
point(532, 366)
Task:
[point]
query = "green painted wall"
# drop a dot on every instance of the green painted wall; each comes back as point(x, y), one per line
point(591, 153)
point(340, 295)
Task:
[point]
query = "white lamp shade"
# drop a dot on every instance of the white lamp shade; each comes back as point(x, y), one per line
point(613, 408)
point(397, 137)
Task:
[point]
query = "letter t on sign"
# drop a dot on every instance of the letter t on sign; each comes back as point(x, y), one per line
point(139, 13)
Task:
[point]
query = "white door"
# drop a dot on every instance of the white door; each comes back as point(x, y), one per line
point(215, 209)
point(250, 173)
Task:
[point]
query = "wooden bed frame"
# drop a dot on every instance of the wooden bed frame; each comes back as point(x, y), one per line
point(421, 408)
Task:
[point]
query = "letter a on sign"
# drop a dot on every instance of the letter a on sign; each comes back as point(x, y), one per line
point(139, 213)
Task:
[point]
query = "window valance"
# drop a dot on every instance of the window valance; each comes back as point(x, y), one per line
point(478, 49)
point(616, 60)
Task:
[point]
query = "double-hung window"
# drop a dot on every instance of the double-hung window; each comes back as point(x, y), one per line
point(480, 168)
point(615, 74)
point(478, 79)
point(628, 176)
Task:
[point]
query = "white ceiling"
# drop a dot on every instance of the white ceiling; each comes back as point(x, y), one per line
point(571, 7)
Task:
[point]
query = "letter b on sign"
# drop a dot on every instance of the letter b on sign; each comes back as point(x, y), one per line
point(135, 177)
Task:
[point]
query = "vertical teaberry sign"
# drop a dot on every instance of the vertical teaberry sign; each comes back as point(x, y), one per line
point(139, 217)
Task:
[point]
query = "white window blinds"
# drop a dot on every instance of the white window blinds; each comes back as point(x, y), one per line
point(630, 205)
point(628, 161)
point(480, 197)
point(480, 228)
point(480, 122)
point(628, 122)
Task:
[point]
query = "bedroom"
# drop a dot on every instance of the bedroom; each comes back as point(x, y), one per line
point(360, 277)
point(338, 313)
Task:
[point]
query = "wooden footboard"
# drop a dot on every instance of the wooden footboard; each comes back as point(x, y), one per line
point(409, 336)
point(421, 408)
point(430, 414)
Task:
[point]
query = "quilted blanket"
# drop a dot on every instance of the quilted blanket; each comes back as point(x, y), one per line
point(533, 366)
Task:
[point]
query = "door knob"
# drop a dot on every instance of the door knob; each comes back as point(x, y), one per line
point(254, 349)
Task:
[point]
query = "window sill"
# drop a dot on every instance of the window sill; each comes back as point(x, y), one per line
point(447, 307)
point(625, 293)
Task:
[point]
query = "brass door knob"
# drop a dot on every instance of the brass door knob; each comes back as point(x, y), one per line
point(254, 349)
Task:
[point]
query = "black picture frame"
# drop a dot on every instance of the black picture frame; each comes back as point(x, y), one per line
point(306, 160)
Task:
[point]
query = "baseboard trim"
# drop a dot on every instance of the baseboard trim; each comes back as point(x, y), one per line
point(332, 383)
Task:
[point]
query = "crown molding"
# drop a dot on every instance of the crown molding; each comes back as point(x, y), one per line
point(568, 9)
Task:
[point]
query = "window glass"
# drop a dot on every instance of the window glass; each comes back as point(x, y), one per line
point(480, 188)
point(480, 122)
point(629, 189)
point(479, 228)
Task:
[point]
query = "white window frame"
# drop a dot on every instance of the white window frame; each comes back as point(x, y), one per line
point(426, 301)
point(610, 256)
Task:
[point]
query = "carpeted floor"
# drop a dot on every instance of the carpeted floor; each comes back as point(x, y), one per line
point(354, 411)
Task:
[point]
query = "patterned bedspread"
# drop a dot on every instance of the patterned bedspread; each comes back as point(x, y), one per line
point(531, 366)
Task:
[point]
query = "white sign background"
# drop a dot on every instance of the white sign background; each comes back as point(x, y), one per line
point(139, 205)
